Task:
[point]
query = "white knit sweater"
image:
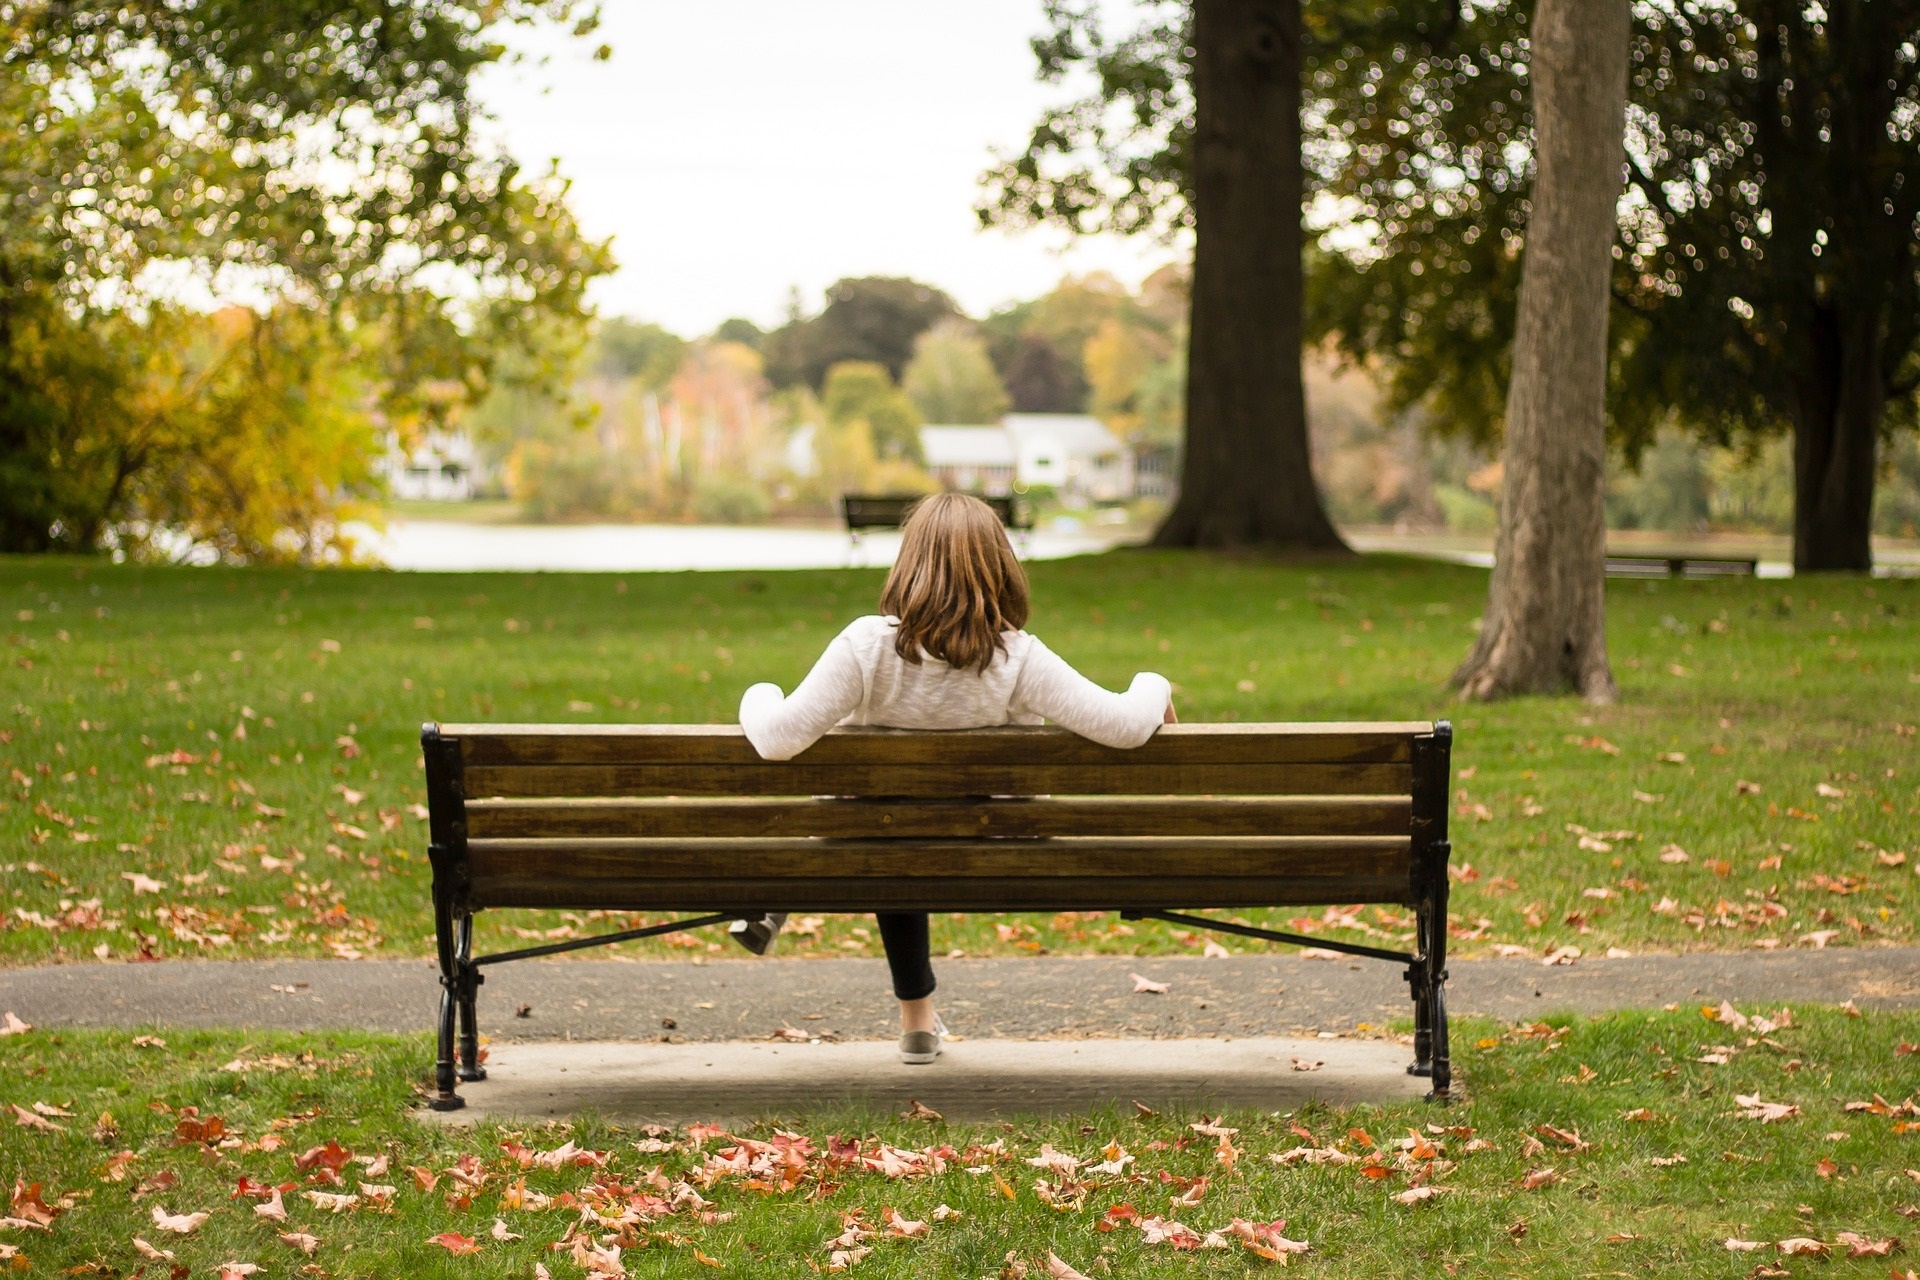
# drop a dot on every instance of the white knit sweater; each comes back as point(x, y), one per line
point(861, 680)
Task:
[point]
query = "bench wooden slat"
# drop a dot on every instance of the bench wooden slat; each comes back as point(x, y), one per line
point(795, 778)
point(524, 888)
point(753, 859)
point(1007, 744)
point(1039, 816)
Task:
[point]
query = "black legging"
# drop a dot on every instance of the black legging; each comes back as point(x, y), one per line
point(909, 955)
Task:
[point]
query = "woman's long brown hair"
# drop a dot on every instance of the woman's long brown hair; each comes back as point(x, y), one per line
point(956, 586)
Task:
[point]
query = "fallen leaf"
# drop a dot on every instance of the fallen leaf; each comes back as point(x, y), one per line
point(903, 1227)
point(455, 1243)
point(10, 1024)
point(1765, 1112)
point(1302, 1064)
point(332, 1202)
point(1414, 1195)
point(1060, 1270)
point(1802, 1247)
point(146, 1250)
point(1147, 986)
point(1858, 1246)
point(274, 1209)
point(237, 1270)
point(178, 1223)
point(28, 1120)
point(300, 1240)
point(1537, 1178)
point(917, 1110)
point(1742, 1246)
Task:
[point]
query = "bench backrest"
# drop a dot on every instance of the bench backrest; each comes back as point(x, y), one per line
point(889, 510)
point(685, 817)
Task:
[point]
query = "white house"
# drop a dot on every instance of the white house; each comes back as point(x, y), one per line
point(1071, 453)
point(971, 459)
point(443, 467)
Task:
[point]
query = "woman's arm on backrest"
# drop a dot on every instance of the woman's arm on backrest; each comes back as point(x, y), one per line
point(1050, 687)
point(782, 727)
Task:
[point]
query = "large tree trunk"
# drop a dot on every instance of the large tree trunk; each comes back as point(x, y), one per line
point(1836, 426)
point(1545, 625)
point(1247, 479)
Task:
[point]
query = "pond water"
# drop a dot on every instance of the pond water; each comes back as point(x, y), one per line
point(443, 546)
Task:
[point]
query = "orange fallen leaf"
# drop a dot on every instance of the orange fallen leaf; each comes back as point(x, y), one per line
point(455, 1243)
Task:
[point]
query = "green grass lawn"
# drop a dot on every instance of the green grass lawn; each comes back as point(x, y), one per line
point(1581, 1148)
point(226, 762)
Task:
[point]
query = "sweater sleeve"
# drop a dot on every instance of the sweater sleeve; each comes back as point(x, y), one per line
point(1049, 686)
point(782, 727)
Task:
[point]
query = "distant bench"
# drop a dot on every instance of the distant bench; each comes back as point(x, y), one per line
point(1625, 566)
point(688, 818)
point(863, 511)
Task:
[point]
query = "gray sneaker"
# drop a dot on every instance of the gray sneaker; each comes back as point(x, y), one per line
point(918, 1048)
point(758, 934)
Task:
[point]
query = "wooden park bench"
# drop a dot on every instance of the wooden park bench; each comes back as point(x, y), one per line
point(688, 818)
point(1664, 566)
point(863, 511)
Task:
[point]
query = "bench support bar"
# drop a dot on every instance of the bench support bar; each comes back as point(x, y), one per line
point(1272, 935)
point(606, 939)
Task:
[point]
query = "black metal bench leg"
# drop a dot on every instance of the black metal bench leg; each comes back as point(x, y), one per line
point(445, 1096)
point(1420, 987)
point(468, 986)
point(1436, 957)
point(1442, 1063)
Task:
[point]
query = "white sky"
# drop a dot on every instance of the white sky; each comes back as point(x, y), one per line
point(735, 149)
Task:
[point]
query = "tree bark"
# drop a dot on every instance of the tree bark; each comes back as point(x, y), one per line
point(1544, 630)
point(1248, 476)
point(1836, 427)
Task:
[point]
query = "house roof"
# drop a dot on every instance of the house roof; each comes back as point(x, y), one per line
point(1078, 435)
point(954, 446)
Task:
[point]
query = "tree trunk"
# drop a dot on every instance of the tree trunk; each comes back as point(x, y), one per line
point(1545, 625)
point(1248, 478)
point(1836, 426)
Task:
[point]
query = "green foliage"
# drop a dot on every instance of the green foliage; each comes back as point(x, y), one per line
point(1670, 490)
point(1119, 157)
point(1749, 217)
point(1771, 214)
point(143, 651)
point(858, 391)
point(628, 349)
point(951, 378)
point(318, 152)
point(744, 332)
point(1897, 500)
point(874, 319)
point(729, 500)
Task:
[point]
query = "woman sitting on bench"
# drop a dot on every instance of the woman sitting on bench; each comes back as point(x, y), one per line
point(947, 652)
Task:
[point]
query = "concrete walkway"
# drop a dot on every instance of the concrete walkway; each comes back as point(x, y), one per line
point(972, 1080)
point(1025, 998)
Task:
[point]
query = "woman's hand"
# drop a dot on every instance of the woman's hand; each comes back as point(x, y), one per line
point(1171, 717)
